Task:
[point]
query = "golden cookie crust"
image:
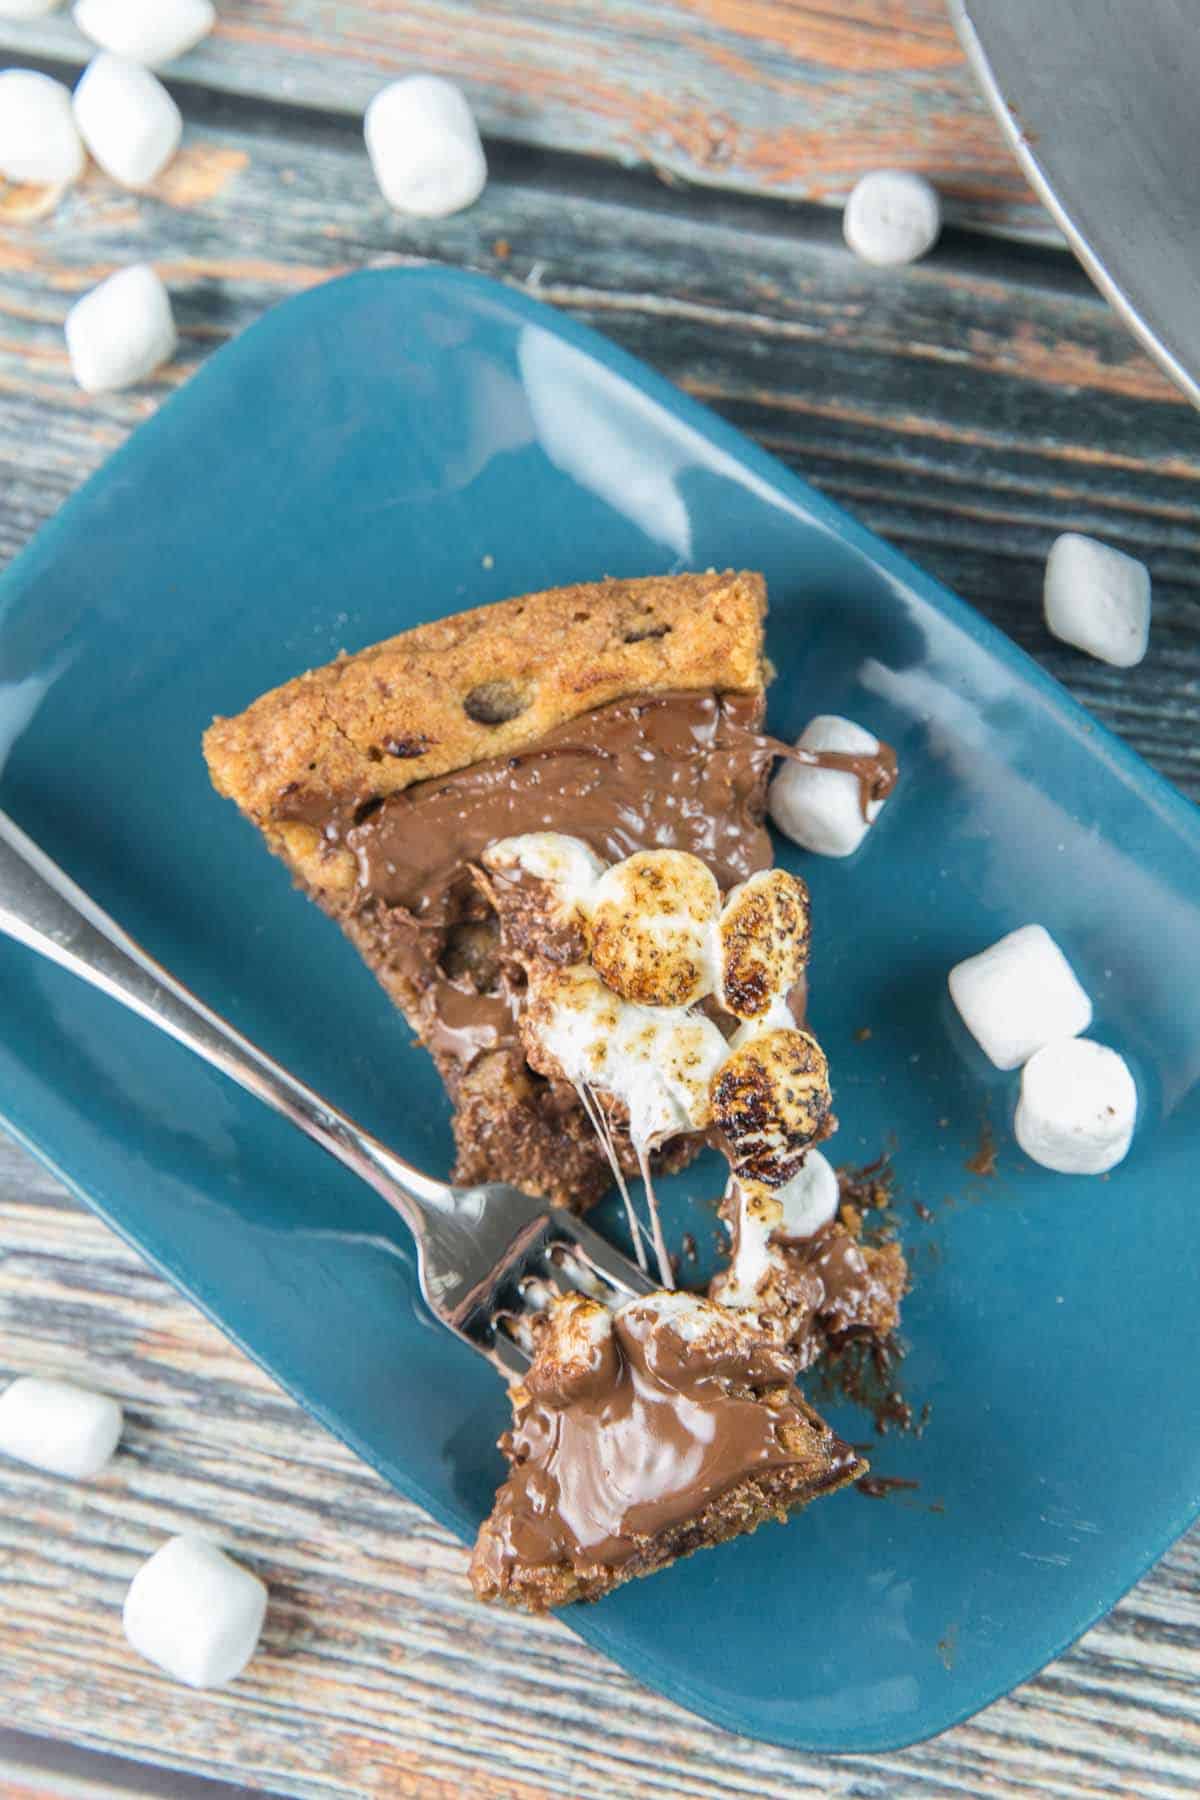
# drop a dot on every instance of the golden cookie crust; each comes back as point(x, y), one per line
point(433, 699)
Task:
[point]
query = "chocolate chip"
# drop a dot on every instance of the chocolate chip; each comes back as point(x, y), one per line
point(410, 744)
point(495, 702)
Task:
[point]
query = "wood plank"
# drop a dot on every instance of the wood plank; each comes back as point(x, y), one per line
point(970, 408)
point(791, 98)
point(378, 1676)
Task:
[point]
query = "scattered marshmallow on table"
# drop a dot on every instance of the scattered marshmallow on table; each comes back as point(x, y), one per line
point(56, 1426)
point(195, 1612)
point(146, 31)
point(1078, 1107)
point(127, 119)
point(39, 139)
point(1019, 994)
point(892, 217)
point(424, 147)
point(1098, 599)
point(121, 331)
point(821, 809)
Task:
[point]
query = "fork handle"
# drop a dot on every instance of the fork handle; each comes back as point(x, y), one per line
point(42, 907)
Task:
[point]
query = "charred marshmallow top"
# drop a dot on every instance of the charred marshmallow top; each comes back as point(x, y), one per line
point(658, 942)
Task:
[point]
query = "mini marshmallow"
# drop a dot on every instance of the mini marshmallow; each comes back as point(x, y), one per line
point(121, 331)
point(27, 9)
point(58, 1427)
point(128, 120)
point(1098, 599)
point(821, 809)
point(424, 147)
point(1078, 1107)
point(195, 1612)
point(810, 1199)
point(146, 31)
point(39, 141)
point(892, 217)
point(1019, 994)
point(651, 920)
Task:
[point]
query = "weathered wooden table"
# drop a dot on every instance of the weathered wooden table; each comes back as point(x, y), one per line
point(668, 170)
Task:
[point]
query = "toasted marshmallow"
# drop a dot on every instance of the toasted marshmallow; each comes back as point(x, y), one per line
point(570, 1026)
point(569, 869)
point(651, 927)
point(570, 1348)
point(758, 1215)
point(771, 1099)
point(799, 1209)
point(762, 942)
point(690, 1316)
point(580, 1326)
point(670, 1058)
point(658, 1062)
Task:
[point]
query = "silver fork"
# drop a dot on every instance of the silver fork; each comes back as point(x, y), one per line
point(484, 1254)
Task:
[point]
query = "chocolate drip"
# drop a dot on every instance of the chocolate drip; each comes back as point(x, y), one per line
point(876, 771)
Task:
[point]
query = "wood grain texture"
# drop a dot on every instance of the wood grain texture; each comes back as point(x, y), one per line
point(970, 409)
point(794, 98)
point(378, 1676)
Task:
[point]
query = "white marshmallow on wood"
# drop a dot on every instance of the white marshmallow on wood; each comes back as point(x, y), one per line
point(424, 147)
point(27, 9)
point(195, 1612)
point(56, 1426)
point(128, 120)
point(892, 217)
point(152, 32)
point(1018, 994)
point(39, 139)
point(1098, 599)
point(121, 331)
point(821, 809)
point(1078, 1107)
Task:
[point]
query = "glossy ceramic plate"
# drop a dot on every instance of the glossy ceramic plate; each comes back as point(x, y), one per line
point(396, 445)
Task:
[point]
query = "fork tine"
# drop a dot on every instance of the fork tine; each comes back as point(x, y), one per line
point(507, 1355)
point(598, 1255)
point(553, 1253)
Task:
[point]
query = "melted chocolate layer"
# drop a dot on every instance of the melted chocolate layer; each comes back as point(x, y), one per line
point(681, 771)
point(654, 1431)
point(671, 771)
point(846, 1293)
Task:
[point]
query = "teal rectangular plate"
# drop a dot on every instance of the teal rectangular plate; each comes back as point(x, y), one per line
point(396, 445)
